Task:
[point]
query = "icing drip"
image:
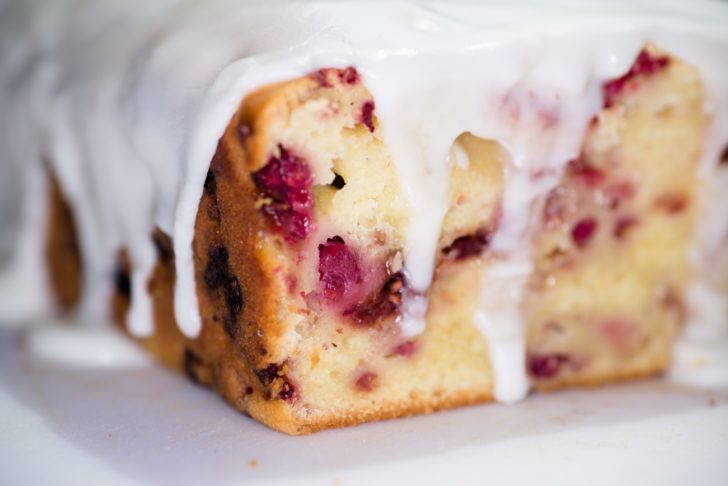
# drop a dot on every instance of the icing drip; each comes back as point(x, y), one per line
point(83, 344)
point(129, 99)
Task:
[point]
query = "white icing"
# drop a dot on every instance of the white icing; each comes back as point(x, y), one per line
point(83, 344)
point(128, 100)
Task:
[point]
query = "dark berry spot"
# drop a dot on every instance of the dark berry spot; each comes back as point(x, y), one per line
point(583, 231)
point(233, 295)
point(339, 271)
point(366, 381)
point(467, 246)
point(287, 391)
point(546, 365)
point(219, 278)
point(367, 111)
point(277, 383)
point(590, 176)
point(724, 157)
point(248, 390)
point(163, 244)
point(122, 281)
point(213, 211)
point(338, 181)
point(286, 180)
point(349, 75)
point(623, 225)
point(383, 304)
point(190, 363)
point(268, 374)
point(321, 78)
point(210, 184)
point(217, 267)
point(671, 203)
point(645, 64)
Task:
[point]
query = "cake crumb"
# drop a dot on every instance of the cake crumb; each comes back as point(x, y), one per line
point(253, 463)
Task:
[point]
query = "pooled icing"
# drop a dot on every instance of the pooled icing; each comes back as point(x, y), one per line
point(127, 100)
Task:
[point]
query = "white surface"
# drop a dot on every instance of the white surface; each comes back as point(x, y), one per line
point(147, 425)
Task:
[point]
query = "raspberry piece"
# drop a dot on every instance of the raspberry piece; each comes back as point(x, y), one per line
point(286, 180)
point(349, 75)
point(339, 271)
point(645, 64)
point(383, 304)
point(583, 231)
point(546, 365)
point(590, 176)
point(367, 112)
point(277, 383)
point(366, 381)
point(467, 246)
point(406, 349)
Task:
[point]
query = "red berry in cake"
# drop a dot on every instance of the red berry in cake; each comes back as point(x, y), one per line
point(385, 303)
point(367, 112)
point(589, 175)
point(645, 64)
point(583, 231)
point(287, 391)
point(321, 77)
point(349, 75)
point(277, 383)
point(366, 381)
point(286, 181)
point(406, 349)
point(467, 246)
point(339, 271)
point(724, 157)
point(546, 365)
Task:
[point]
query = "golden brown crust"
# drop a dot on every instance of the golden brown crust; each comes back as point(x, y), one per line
point(62, 251)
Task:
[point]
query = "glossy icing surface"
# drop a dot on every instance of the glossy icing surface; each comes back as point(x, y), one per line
point(127, 101)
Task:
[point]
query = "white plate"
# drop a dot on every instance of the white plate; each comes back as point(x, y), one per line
point(64, 425)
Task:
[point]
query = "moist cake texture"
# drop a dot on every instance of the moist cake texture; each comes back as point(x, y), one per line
point(330, 227)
